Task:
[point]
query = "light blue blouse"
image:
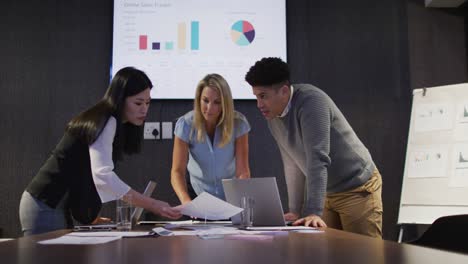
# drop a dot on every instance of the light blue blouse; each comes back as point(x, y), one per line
point(208, 164)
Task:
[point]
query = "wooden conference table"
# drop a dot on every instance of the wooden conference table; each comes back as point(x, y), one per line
point(331, 246)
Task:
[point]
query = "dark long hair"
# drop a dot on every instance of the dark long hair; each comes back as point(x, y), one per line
point(89, 124)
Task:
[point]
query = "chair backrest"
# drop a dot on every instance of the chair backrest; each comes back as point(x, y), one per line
point(446, 233)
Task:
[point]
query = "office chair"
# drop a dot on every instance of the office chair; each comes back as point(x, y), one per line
point(446, 233)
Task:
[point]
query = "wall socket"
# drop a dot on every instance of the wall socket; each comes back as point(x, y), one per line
point(152, 130)
point(166, 130)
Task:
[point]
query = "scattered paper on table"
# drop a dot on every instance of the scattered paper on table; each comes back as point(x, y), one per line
point(206, 206)
point(214, 232)
point(206, 237)
point(108, 234)
point(250, 237)
point(90, 238)
point(78, 240)
point(277, 228)
point(197, 231)
point(308, 231)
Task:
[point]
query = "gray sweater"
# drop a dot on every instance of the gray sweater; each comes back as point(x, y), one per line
point(320, 151)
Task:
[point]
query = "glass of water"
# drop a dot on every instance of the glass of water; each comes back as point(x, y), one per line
point(247, 203)
point(124, 211)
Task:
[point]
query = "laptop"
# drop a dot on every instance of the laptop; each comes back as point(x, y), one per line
point(135, 215)
point(138, 210)
point(268, 210)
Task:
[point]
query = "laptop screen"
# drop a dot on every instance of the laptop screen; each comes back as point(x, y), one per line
point(148, 192)
point(268, 210)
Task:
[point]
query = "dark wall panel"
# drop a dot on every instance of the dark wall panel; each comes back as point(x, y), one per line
point(357, 53)
point(56, 57)
point(438, 45)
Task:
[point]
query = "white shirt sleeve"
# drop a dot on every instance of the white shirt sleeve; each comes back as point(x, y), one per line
point(108, 185)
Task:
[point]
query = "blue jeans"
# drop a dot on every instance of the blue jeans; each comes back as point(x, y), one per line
point(37, 217)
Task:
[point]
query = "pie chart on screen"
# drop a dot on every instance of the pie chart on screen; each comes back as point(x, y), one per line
point(242, 33)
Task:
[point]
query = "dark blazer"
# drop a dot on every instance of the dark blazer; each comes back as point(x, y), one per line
point(68, 170)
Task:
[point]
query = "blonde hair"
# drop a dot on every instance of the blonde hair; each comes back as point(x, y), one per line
point(226, 120)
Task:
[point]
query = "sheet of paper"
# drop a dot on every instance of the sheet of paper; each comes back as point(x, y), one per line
point(308, 231)
point(250, 237)
point(195, 223)
point(206, 206)
point(100, 227)
point(272, 228)
point(165, 223)
point(198, 231)
point(460, 133)
point(459, 175)
point(216, 231)
point(207, 237)
point(108, 234)
point(433, 117)
point(428, 161)
point(78, 240)
point(90, 238)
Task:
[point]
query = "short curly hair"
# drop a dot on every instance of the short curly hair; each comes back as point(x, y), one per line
point(267, 72)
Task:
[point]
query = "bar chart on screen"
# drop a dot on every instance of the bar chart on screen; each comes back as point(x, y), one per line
point(178, 42)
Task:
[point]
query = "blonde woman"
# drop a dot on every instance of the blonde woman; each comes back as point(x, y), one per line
point(210, 142)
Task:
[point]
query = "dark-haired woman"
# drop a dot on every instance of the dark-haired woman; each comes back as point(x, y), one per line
point(79, 175)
